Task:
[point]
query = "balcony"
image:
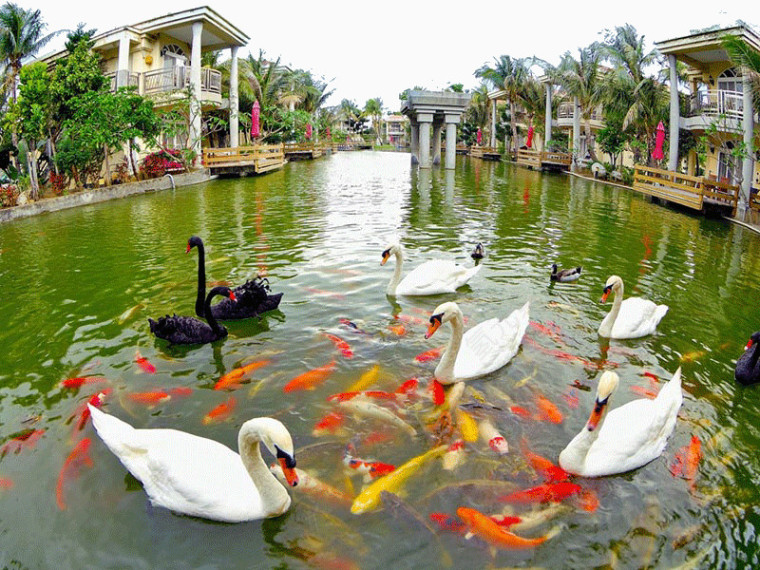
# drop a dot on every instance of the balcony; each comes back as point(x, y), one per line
point(717, 102)
point(162, 83)
point(565, 116)
point(133, 80)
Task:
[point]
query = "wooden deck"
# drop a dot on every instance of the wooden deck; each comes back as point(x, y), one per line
point(544, 160)
point(485, 152)
point(255, 159)
point(695, 192)
point(300, 151)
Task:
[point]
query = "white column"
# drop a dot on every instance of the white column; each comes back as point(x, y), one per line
point(451, 140)
point(234, 101)
point(675, 118)
point(195, 81)
point(548, 123)
point(414, 144)
point(493, 123)
point(748, 124)
point(437, 128)
point(122, 72)
point(576, 134)
point(425, 120)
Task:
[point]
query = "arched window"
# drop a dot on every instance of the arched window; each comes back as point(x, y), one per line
point(730, 80)
point(173, 56)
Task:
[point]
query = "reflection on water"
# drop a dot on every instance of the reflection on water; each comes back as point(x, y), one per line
point(80, 284)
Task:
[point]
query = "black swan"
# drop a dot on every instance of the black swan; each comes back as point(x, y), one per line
point(747, 370)
point(189, 330)
point(253, 296)
point(565, 275)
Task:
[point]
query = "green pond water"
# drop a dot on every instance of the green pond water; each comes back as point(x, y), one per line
point(79, 285)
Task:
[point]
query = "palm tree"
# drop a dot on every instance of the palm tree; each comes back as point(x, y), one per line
point(508, 74)
point(261, 80)
point(744, 56)
point(373, 108)
point(20, 37)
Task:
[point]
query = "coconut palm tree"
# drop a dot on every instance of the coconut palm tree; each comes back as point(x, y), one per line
point(509, 74)
point(20, 37)
point(744, 56)
point(373, 109)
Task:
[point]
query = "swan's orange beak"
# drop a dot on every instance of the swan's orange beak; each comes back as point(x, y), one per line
point(290, 473)
point(596, 414)
point(605, 294)
point(386, 255)
point(435, 324)
point(232, 296)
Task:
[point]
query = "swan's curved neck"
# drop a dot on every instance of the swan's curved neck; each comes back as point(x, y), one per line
point(444, 372)
point(573, 457)
point(605, 329)
point(274, 497)
point(396, 279)
point(199, 299)
point(208, 315)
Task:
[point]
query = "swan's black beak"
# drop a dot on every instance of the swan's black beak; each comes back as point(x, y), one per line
point(606, 293)
point(435, 324)
point(596, 414)
point(386, 255)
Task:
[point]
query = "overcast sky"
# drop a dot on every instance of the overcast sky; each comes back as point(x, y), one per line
point(378, 49)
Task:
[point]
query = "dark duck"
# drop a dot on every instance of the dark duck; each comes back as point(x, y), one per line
point(189, 330)
point(747, 370)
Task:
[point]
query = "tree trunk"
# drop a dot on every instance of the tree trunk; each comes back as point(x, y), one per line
point(108, 167)
point(589, 146)
point(513, 125)
point(31, 160)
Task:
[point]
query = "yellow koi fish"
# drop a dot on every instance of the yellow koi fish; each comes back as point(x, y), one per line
point(468, 427)
point(366, 380)
point(369, 498)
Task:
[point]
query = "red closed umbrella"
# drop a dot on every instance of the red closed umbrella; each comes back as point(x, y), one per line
point(529, 140)
point(479, 136)
point(327, 133)
point(308, 132)
point(659, 141)
point(255, 121)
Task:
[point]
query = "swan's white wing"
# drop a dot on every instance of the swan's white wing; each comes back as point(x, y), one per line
point(491, 344)
point(638, 317)
point(434, 277)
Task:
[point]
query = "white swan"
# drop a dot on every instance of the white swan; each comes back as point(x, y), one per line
point(630, 436)
point(200, 477)
point(484, 348)
point(631, 318)
point(431, 278)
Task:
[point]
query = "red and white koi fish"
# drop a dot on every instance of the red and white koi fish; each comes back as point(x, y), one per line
point(547, 411)
point(371, 410)
point(687, 459)
point(234, 378)
point(78, 382)
point(368, 469)
point(311, 379)
point(310, 485)
point(150, 399)
point(431, 354)
point(221, 412)
point(26, 439)
point(493, 534)
point(341, 345)
point(494, 439)
point(332, 424)
point(96, 400)
point(78, 457)
point(372, 394)
point(454, 456)
point(555, 492)
point(144, 363)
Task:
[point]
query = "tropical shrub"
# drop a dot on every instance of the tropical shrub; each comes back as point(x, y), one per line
point(9, 195)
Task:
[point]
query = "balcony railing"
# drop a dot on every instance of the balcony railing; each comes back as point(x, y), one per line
point(565, 111)
point(166, 80)
point(133, 80)
point(717, 102)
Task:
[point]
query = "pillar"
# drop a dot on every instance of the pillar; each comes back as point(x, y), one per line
point(451, 140)
point(675, 118)
point(234, 101)
point(437, 128)
point(748, 125)
point(122, 70)
point(195, 97)
point(548, 124)
point(425, 120)
point(576, 134)
point(493, 123)
point(414, 143)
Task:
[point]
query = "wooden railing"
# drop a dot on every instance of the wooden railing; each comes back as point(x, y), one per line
point(482, 151)
point(261, 157)
point(307, 149)
point(690, 191)
point(540, 158)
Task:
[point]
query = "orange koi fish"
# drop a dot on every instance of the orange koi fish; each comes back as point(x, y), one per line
point(693, 355)
point(6, 483)
point(233, 379)
point(398, 330)
point(543, 493)
point(408, 319)
point(548, 411)
point(571, 398)
point(687, 461)
point(220, 412)
point(551, 330)
point(428, 355)
point(436, 390)
point(180, 391)
point(652, 377)
point(26, 439)
point(95, 400)
point(150, 398)
point(549, 471)
point(331, 423)
point(571, 357)
point(408, 388)
point(78, 457)
point(310, 485)
point(144, 364)
point(341, 345)
point(309, 380)
point(645, 392)
point(489, 531)
point(377, 437)
point(78, 382)
point(587, 500)
point(369, 469)
point(447, 522)
point(520, 411)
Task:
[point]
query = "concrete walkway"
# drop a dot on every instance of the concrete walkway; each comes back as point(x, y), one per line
point(102, 194)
